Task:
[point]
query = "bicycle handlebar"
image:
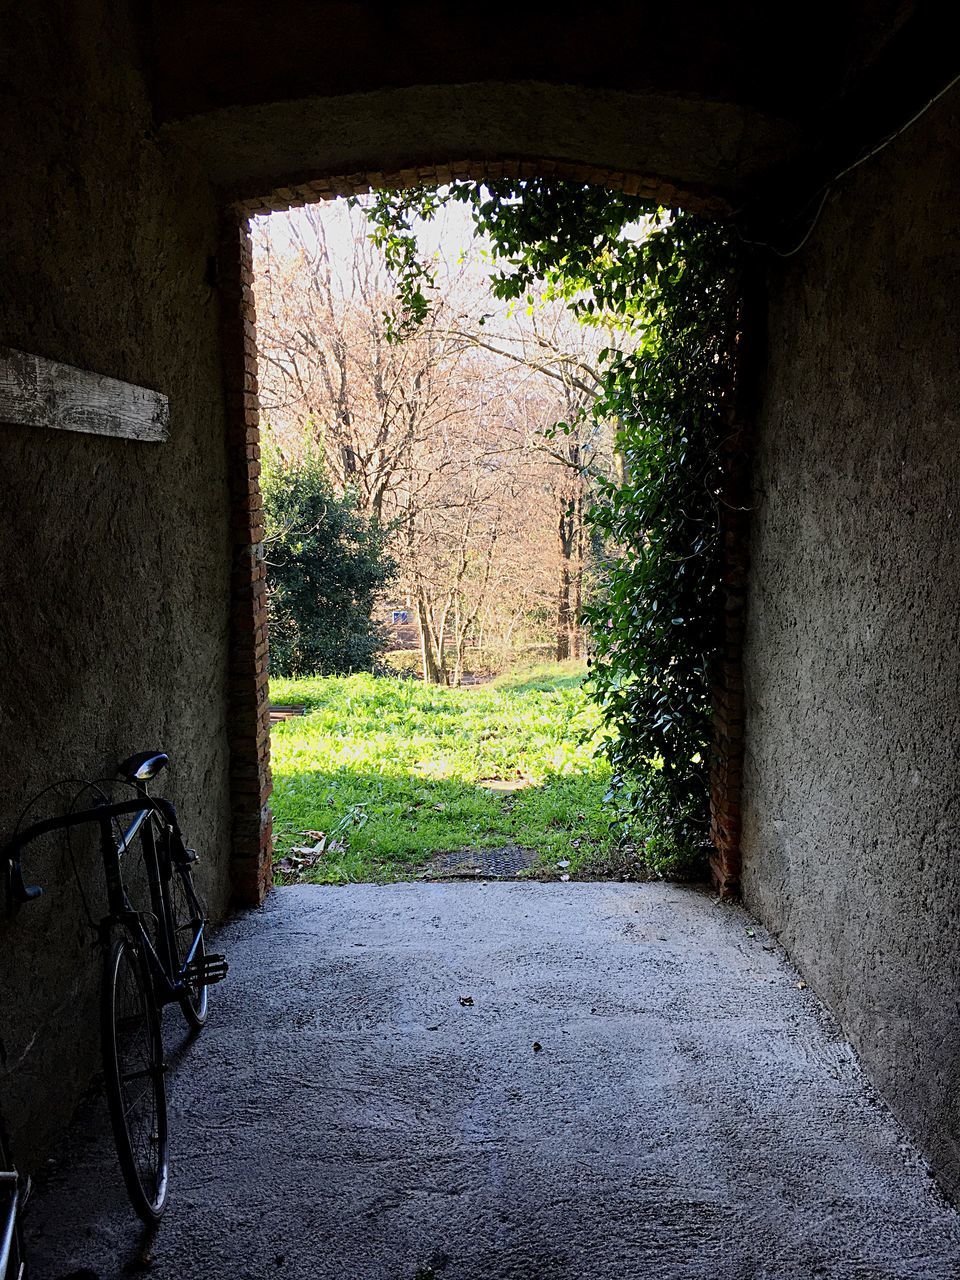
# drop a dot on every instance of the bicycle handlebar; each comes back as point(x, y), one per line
point(18, 891)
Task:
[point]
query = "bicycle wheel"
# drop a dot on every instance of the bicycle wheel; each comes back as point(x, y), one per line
point(133, 1078)
point(186, 917)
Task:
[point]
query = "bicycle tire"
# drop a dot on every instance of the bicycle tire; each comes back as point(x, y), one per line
point(16, 1260)
point(133, 1078)
point(186, 915)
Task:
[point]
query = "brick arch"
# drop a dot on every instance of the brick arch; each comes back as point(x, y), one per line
point(248, 724)
point(435, 175)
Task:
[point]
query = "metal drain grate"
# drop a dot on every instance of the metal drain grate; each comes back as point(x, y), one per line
point(481, 864)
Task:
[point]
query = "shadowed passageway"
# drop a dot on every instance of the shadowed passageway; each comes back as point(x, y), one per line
point(490, 1081)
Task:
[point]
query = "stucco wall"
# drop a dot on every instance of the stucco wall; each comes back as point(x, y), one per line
point(852, 783)
point(114, 610)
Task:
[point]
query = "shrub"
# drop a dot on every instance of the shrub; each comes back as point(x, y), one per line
point(401, 662)
point(326, 563)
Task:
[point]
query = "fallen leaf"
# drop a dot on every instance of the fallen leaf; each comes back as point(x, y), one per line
point(751, 933)
point(564, 878)
point(801, 985)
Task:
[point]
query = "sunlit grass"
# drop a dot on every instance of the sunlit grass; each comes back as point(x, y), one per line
point(392, 771)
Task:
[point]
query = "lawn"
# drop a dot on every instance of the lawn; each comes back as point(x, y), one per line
point(384, 773)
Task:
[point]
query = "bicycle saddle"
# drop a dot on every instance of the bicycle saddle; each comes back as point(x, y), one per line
point(143, 766)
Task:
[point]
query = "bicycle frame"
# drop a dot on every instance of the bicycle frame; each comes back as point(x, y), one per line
point(167, 971)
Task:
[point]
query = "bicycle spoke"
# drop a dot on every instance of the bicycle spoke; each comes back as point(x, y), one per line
point(138, 1075)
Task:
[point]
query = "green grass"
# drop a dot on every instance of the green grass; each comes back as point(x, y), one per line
point(391, 772)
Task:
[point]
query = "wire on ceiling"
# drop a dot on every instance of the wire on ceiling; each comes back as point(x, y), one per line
point(824, 191)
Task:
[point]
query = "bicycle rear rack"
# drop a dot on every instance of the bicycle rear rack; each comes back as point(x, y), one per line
point(205, 971)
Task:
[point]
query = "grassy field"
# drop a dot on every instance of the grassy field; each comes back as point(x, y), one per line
point(384, 773)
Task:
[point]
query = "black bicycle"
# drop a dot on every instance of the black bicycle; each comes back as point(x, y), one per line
point(151, 959)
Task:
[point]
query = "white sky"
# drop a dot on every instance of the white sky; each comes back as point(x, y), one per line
point(449, 235)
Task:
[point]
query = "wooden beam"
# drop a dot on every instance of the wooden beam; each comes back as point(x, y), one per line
point(42, 393)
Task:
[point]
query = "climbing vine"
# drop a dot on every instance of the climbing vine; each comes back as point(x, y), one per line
point(671, 279)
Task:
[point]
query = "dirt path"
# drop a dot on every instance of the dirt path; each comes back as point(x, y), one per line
point(500, 1081)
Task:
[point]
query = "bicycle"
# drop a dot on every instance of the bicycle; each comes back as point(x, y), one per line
point(151, 959)
point(12, 1264)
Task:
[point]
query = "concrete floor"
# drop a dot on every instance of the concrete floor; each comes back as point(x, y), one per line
point(690, 1112)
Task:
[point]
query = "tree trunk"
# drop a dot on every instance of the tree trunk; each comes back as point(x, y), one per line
point(459, 640)
point(431, 646)
point(563, 613)
point(568, 589)
point(578, 560)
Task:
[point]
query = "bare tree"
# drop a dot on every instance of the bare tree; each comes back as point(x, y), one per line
point(561, 360)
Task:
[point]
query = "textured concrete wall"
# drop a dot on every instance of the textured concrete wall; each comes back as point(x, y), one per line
point(114, 611)
point(852, 806)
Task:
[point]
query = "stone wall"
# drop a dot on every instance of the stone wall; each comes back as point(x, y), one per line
point(851, 822)
point(115, 611)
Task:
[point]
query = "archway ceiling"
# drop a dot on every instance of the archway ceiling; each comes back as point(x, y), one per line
point(708, 98)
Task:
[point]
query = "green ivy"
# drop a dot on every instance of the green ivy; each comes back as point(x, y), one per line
point(672, 279)
point(656, 629)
